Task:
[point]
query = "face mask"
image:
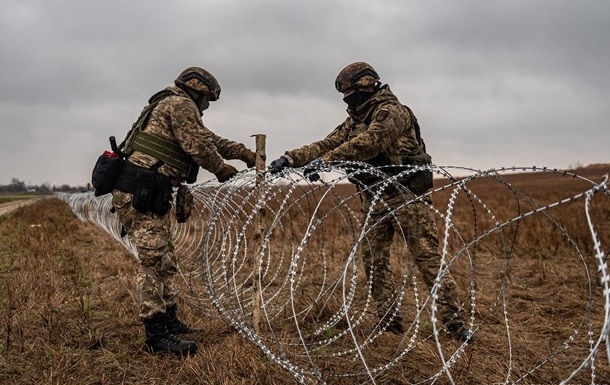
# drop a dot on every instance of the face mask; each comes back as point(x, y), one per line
point(203, 104)
point(356, 98)
point(199, 99)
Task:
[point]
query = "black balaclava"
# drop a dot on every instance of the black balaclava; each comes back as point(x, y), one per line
point(357, 98)
point(202, 103)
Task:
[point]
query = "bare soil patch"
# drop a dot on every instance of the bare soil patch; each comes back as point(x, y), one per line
point(7, 207)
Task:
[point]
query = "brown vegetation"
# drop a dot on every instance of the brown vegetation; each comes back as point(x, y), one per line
point(68, 311)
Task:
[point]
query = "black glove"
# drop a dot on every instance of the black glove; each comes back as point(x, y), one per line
point(278, 165)
point(312, 169)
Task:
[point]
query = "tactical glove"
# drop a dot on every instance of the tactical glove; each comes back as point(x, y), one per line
point(312, 176)
point(278, 165)
point(312, 169)
point(248, 157)
point(225, 173)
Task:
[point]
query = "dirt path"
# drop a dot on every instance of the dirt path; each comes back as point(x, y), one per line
point(6, 208)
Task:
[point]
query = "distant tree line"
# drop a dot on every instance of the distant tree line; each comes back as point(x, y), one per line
point(19, 186)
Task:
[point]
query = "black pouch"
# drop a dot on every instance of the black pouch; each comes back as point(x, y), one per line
point(162, 197)
point(106, 173)
point(363, 177)
point(146, 184)
point(420, 181)
point(191, 177)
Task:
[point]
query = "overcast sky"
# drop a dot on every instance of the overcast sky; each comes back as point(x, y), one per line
point(493, 83)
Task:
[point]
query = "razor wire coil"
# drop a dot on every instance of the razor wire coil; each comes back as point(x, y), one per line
point(315, 297)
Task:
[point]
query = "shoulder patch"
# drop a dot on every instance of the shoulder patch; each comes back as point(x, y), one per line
point(381, 115)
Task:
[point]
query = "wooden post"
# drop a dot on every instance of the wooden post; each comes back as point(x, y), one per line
point(259, 230)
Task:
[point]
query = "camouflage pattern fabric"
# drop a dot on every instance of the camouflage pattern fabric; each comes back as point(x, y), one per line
point(383, 126)
point(176, 118)
point(184, 203)
point(416, 224)
point(356, 75)
point(152, 237)
point(380, 126)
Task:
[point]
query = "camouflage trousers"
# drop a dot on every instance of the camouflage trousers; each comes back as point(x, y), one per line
point(151, 235)
point(415, 223)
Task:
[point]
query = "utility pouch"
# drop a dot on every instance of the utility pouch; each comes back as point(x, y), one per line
point(420, 181)
point(361, 176)
point(153, 192)
point(162, 198)
point(191, 176)
point(184, 204)
point(143, 196)
point(106, 172)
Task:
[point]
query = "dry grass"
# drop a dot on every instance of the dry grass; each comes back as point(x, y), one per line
point(69, 316)
point(68, 303)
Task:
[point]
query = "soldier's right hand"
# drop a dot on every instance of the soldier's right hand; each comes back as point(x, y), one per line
point(278, 165)
point(225, 173)
point(248, 157)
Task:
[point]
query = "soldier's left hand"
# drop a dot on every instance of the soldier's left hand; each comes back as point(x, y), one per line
point(311, 171)
point(248, 157)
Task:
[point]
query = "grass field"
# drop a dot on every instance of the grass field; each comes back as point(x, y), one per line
point(5, 198)
point(68, 303)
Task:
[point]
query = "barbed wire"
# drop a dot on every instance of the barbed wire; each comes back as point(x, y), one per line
point(289, 249)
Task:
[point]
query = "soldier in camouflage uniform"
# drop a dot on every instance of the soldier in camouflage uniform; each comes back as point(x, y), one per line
point(380, 127)
point(174, 122)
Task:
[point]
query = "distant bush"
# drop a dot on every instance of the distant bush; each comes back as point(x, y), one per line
point(19, 186)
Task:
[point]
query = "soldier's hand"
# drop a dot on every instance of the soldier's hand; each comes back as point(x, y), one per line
point(278, 165)
point(225, 173)
point(248, 157)
point(312, 170)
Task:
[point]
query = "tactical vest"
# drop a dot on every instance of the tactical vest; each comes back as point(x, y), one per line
point(166, 151)
point(417, 182)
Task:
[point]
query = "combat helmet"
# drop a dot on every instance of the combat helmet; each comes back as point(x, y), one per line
point(356, 75)
point(199, 80)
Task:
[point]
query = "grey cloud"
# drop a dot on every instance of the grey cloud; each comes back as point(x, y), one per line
point(490, 81)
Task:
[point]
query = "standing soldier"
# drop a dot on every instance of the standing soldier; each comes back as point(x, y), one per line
point(383, 132)
point(165, 147)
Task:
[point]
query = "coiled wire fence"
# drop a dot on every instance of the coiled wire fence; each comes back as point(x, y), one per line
point(277, 257)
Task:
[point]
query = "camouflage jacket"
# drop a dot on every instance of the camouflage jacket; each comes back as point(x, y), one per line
point(176, 118)
point(380, 127)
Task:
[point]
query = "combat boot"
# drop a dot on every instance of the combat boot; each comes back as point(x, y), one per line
point(174, 325)
point(160, 340)
point(395, 327)
point(459, 332)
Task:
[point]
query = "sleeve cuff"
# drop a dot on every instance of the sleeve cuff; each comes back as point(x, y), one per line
point(290, 160)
